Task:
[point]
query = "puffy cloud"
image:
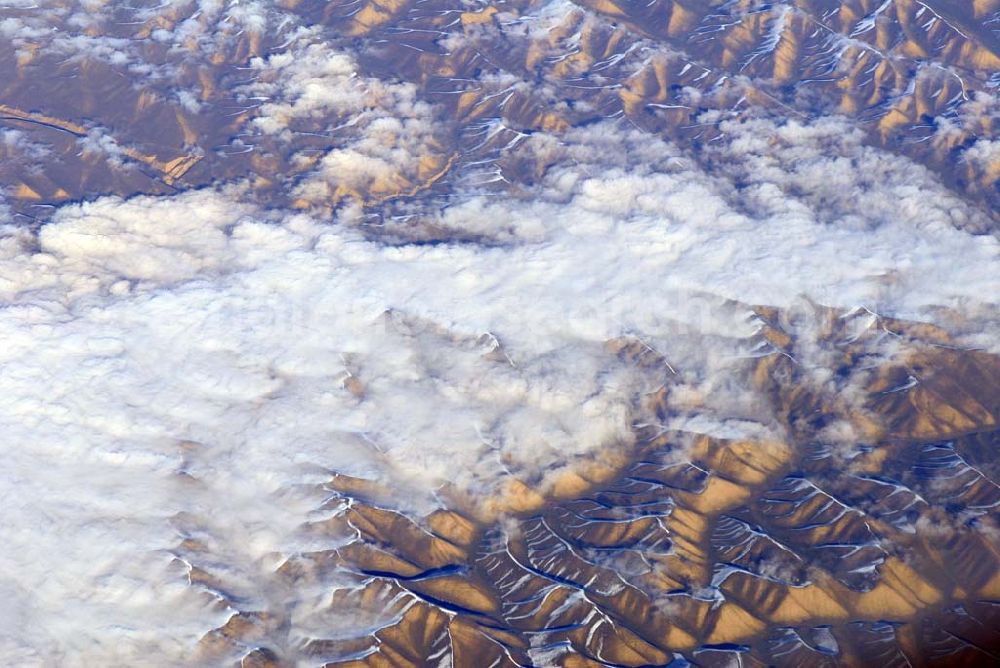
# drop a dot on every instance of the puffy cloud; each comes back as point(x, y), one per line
point(315, 83)
point(985, 154)
point(384, 134)
point(17, 145)
point(100, 143)
point(105, 246)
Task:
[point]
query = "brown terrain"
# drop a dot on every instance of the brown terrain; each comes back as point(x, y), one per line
point(884, 552)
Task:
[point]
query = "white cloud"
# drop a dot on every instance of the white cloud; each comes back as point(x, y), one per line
point(17, 145)
point(385, 134)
